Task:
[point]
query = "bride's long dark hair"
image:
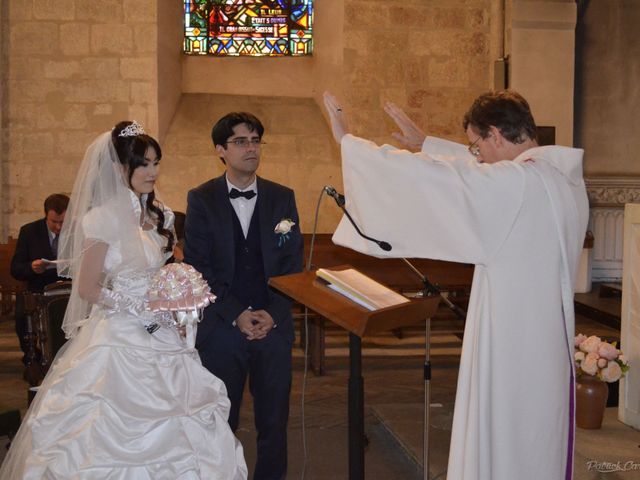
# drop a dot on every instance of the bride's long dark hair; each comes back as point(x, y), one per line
point(131, 153)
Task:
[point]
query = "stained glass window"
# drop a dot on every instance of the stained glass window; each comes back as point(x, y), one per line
point(248, 27)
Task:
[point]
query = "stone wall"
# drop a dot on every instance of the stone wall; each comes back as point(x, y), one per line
point(169, 33)
point(4, 117)
point(608, 94)
point(72, 68)
point(432, 57)
point(299, 150)
point(541, 48)
point(75, 67)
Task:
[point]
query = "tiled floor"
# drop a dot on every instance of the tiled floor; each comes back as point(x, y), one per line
point(393, 392)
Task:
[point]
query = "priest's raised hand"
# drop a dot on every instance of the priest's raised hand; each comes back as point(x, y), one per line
point(410, 135)
point(339, 125)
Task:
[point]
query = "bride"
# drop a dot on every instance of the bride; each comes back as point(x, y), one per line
point(126, 397)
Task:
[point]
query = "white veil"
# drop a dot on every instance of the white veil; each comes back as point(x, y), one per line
point(101, 190)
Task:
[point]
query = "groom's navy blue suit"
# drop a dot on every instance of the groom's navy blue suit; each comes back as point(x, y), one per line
point(237, 269)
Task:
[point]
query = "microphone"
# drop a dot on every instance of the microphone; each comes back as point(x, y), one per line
point(332, 192)
point(340, 200)
point(429, 287)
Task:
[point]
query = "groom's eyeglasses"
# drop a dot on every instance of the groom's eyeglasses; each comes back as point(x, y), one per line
point(244, 142)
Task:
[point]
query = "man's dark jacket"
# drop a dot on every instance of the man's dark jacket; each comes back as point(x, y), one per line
point(33, 244)
point(210, 248)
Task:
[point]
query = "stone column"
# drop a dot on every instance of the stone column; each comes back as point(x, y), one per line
point(4, 106)
point(542, 62)
point(629, 405)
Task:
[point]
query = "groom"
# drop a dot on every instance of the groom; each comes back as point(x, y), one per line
point(241, 230)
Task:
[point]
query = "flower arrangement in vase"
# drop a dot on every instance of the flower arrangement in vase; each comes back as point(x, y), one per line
point(597, 363)
point(598, 358)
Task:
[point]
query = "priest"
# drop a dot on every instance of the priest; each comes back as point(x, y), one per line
point(518, 212)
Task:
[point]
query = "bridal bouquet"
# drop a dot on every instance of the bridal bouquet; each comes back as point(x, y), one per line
point(179, 289)
point(598, 358)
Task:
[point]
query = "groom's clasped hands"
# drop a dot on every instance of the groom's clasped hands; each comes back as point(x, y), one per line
point(255, 324)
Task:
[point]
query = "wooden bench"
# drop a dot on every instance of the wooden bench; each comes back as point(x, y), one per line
point(9, 287)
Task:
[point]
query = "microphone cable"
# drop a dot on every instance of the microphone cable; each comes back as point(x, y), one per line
point(306, 342)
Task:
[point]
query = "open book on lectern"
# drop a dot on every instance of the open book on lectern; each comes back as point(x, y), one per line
point(361, 289)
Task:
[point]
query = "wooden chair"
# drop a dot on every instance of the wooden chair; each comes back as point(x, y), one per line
point(9, 424)
point(46, 312)
point(52, 307)
point(9, 287)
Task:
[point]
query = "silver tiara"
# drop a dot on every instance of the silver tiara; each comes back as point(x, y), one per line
point(132, 130)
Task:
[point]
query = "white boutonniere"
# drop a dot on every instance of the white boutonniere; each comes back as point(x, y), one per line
point(283, 228)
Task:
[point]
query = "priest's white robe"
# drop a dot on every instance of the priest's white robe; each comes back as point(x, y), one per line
point(522, 224)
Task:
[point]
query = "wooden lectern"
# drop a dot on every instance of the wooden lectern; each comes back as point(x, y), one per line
point(312, 292)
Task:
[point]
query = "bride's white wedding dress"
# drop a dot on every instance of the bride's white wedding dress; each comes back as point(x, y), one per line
point(121, 403)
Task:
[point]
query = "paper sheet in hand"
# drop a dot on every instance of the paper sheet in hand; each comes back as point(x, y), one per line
point(361, 289)
point(49, 264)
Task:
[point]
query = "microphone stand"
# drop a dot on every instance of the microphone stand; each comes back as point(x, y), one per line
point(429, 289)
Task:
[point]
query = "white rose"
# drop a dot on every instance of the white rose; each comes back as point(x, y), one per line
point(612, 373)
point(590, 364)
point(608, 351)
point(284, 226)
point(579, 356)
point(591, 344)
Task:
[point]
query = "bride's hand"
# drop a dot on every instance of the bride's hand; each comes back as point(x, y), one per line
point(182, 330)
point(412, 136)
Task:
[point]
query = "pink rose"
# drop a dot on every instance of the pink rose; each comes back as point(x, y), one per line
point(602, 362)
point(578, 357)
point(579, 339)
point(608, 351)
point(612, 373)
point(591, 344)
point(590, 364)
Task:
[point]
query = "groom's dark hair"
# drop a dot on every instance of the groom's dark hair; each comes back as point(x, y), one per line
point(223, 129)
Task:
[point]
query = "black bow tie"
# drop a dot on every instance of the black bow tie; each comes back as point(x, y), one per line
point(235, 193)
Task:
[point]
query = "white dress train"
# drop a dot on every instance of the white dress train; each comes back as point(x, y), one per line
point(120, 403)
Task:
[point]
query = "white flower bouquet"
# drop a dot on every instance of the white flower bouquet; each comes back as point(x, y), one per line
point(598, 358)
point(179, 289)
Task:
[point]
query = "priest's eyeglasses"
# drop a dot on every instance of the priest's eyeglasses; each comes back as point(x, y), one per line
point(474, 149)
point(244, 142)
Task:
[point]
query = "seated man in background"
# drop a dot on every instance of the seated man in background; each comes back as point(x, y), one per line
point(38, 240)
